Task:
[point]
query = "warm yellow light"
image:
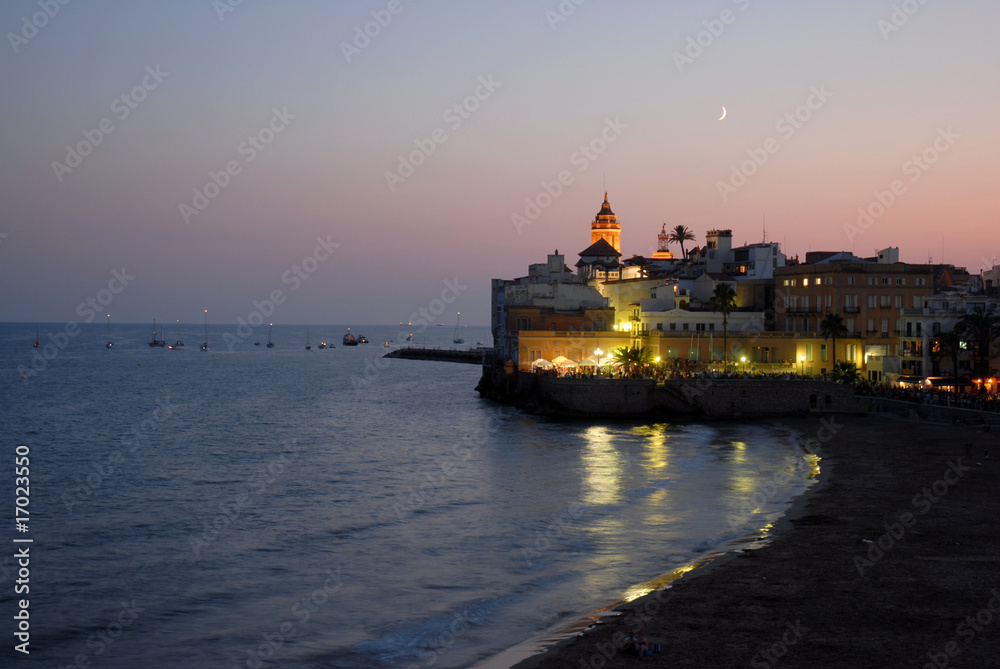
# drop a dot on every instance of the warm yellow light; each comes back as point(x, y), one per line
point(657, 358)
point(743, 359)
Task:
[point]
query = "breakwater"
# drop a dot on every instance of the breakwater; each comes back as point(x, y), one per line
point(443, 354)
point(717, 398)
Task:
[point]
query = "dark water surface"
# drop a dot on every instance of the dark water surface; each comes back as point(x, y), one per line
point(279, 507)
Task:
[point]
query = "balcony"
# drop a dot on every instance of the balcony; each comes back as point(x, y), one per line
point(852, 310)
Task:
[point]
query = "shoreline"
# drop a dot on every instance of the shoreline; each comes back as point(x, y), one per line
point(742, 607)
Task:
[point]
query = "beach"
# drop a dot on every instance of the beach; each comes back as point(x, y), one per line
point(891, 559)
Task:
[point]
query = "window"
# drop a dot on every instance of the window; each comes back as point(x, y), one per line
point(673, 326)
point(792, 302)
point(850, 281)
point(901, 282)
point(871, 281)
point(871, 301)
point(829, 301)
point(886, 281)
point(871, 325)
point(787, 282)
point(909, 329)
point(851, 352)
point(711, 326)
point(524, 323)
point(884, 301)
point(805, 303)
point(885, 327)
point(822, 352)
point(805, 282)
point(850, 301)
point(918, 329)
point(921, 281)
point(684, 327)
point(809, 352)
point(899, 302)
point(850, 326)
point(935, 328)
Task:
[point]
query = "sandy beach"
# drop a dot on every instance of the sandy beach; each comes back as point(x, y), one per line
point(891, 560)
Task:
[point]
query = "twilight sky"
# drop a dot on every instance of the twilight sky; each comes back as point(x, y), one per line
point(830, 108)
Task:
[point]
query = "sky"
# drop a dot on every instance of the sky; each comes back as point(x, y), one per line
point(355, 161)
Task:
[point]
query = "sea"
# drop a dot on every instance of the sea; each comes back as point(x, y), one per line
point(256, 507)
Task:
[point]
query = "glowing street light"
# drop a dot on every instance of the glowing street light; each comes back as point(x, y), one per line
point(802, 363)
point(598, 352)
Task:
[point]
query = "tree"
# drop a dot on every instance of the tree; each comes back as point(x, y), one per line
point(679, 235)
point(950, 343)
point(832, 326)
point(982, 328)
point(724, 299)
point(633, 358)
point(846, 372)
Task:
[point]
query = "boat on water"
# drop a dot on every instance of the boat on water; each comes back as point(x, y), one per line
point(322, 344)
point(110, 343)
point(349, 339)
point(308, 347)
point(456, 339)
point(362, 339)
point(178, 343)
point(204, 345)
point(153, 341)
point(270, 344)
point(409, 337)
point(37, 343)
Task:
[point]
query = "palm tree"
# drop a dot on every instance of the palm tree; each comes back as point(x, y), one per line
point(679, 235)
point(951, 343)
point(724, 299)
point(982, 328)
point(633, 358)
point(832, 326)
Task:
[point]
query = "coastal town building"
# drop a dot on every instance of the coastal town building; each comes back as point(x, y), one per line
point(607, 227)
point(550, 298)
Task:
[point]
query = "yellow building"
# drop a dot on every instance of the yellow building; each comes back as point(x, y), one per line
point(607, 227)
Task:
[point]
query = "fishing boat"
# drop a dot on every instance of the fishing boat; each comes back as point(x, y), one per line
point(322, 344)
point(362, 339)
point(110, 343)
point(456, 339)
point(308, 347)
point(153, 341)
point(270, 344)
point(37, 343)
point(409, 337)
point(178, 343)
point(204, 345)
point(349, 339)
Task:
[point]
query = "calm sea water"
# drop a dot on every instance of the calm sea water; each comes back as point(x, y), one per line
point(285, 508)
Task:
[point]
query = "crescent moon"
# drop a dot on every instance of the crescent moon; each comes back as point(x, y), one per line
point(724, 112)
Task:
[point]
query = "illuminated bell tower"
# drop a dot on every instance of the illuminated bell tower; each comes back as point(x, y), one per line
point(606, 226)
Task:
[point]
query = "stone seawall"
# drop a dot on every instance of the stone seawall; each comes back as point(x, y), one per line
point(702, 398)
point(929, 412)
point(443, 354)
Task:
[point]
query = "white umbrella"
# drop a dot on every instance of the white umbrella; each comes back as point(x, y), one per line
point(562, 361)
point(588, 362)
point(541, 362)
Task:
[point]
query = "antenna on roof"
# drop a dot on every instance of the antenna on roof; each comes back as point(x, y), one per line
point(605, 175)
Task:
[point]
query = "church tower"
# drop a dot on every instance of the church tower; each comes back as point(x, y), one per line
point(606, 226)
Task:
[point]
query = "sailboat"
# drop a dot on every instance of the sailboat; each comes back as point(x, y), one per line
point(308, 347)
point(178, 343)
point(457, 339)
point(153, 341)
point(204, 346)
point(37, 343)
point(270, 344)
point(110, 343)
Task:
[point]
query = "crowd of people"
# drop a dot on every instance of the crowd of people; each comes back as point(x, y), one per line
point(980, 401)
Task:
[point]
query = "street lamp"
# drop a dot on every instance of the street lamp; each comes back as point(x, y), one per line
point(598, 352)
point(802, 363)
